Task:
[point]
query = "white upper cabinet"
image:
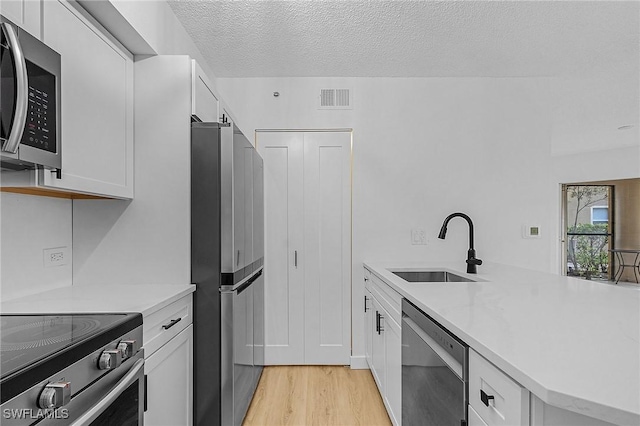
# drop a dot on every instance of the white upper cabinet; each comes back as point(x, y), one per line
point(204, 100)
point(97, 105)
point(23, 13)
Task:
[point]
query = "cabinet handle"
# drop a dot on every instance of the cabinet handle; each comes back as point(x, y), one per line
point(379, 319)
point(485, 398)
point(366, 279)
point(238, 258)
point(295, 258)
point(366, 299)
point(171, 323)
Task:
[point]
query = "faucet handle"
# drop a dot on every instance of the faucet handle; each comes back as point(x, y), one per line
point(474, 261)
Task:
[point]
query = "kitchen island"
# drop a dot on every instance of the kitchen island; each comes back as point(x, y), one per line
point(572, 343)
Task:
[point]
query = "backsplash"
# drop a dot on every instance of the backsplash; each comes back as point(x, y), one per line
point(29, 226)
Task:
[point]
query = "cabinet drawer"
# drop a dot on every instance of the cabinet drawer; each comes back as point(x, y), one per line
point(367, 278)
point(388, 298)
point(510, 402)
point(157, 328)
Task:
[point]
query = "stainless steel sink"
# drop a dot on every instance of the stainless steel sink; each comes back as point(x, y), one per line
point(431, 277)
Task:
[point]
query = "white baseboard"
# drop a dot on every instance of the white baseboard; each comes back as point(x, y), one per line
point(359, 363)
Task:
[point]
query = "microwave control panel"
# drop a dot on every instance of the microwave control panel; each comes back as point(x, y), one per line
point(40, 128)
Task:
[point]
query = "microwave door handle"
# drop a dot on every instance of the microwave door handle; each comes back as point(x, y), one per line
point(22, 91)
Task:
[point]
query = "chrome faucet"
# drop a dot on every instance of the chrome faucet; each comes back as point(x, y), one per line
point(472, 262)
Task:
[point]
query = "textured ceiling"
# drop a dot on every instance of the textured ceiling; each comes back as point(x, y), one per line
point(413, 38)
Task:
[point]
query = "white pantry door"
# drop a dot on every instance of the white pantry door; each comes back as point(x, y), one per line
point(283, 280)
point(308, 246)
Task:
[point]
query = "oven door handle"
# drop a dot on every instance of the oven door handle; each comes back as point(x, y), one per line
point(451, 362)
point(22, 91)
point(126, 381)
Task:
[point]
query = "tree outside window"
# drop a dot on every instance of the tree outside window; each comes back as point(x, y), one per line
point(588, 231)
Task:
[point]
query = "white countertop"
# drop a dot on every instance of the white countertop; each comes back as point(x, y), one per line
point(575, 344)
point(144, 299)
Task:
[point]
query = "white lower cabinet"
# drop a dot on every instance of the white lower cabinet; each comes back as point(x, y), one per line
point(168, 369)
point(496, 399)
point(474, 418)
point(383, 343)
point(494, 396)
point(393, 369)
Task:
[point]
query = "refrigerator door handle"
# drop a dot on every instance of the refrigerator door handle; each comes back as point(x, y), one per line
point(250, 281)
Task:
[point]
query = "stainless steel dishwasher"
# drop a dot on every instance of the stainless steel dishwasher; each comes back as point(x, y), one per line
point(434, 372)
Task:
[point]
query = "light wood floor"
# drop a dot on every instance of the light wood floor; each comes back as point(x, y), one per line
point(316, 395)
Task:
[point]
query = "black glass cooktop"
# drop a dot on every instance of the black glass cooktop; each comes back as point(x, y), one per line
point(33, 347)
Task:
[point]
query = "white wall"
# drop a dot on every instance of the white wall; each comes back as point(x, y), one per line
point(423, 148)
point(28, 225)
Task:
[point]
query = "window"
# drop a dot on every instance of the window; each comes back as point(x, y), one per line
point(587, 230)
point(599, 215)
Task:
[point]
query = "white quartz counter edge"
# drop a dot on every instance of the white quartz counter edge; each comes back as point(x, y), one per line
point(623, 409)
point(143, 298)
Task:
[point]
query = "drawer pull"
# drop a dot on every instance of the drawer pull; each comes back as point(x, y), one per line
point(485, 398)
point(174, 322)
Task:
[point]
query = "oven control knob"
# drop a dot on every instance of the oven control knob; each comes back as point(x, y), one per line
point(128, 348)
point(110, 359)
point(55, 395)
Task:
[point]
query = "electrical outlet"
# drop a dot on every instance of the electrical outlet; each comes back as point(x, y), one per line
point(418, 237)
point(56, 256)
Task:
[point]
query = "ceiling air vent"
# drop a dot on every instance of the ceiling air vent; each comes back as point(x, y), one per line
point(335, 99)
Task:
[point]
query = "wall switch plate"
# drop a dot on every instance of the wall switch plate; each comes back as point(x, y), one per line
point(418, 237)
point(57, 256)
point(531, 231)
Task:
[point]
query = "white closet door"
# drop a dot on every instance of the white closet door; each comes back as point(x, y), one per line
point(327, 247)
point(284, 281)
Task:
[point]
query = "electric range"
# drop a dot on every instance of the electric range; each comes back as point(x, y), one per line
point(63, 368)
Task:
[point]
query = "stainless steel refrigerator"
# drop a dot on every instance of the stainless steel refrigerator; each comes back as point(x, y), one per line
point(227, 251)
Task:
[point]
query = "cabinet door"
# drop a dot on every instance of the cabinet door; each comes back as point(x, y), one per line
point(284, 286)
point(23, 13)
point(377, 346)
point(369, 326)
point(169, 373)
point(393, 369)
point(327, 247)
point(204, 101)
point(97, 105)
point(474, 418)
point(509, 404)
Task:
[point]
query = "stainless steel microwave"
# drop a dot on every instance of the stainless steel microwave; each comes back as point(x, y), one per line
point(30, 101)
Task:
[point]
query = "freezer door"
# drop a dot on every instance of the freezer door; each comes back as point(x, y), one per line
point(205, 269)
